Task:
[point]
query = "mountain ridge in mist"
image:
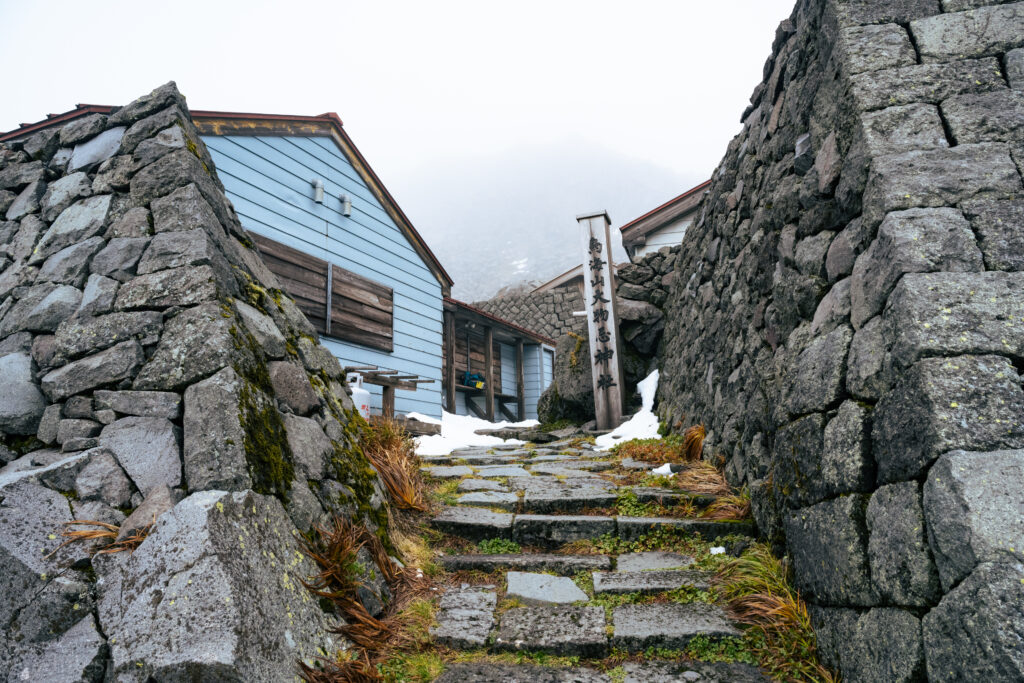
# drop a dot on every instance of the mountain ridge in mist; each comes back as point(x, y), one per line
point(507, 218)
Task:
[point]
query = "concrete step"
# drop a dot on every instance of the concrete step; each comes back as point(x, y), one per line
point(563, 565)
point(632, 528)
point(532, 588)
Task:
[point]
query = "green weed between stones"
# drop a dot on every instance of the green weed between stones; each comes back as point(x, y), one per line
point(498, 546)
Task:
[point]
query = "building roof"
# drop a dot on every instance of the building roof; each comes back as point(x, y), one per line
point(512, 330)
point(243, 123)
point(675, 208)
point(568, 277)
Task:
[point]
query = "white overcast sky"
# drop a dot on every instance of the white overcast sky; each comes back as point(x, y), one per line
point(664, 81)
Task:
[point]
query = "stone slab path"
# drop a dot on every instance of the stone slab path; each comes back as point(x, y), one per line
point(542, 499)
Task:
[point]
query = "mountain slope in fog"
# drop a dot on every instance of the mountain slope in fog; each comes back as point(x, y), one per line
point(509, 218)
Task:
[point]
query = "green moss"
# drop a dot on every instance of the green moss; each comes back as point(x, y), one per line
point(21, 444)
point(498, 546)
point(267, 453)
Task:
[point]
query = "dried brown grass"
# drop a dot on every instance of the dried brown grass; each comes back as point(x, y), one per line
point(701, 477)
point(392, 452)
point(335, 551)
point(693, 442)
point(758, 592)
point(103, 530)
point(733, 507)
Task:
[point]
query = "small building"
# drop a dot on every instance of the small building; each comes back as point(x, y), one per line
point(338, 242)
point(663, 226)
point(493, 368)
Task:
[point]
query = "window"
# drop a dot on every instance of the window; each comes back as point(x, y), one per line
point(358, 310)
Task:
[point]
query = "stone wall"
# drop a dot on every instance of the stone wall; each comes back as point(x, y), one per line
point(546, 313)
point(152, 368)
point(848, 323)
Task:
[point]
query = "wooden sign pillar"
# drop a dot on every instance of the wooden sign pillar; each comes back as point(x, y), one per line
point(602, 322)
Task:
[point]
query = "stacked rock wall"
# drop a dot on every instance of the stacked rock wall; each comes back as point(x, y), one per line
point(152, 368)
point(849, 325)
point(546, 313)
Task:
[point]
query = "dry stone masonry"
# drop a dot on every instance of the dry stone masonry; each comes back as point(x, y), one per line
point(546, 313)
point(152, 369)
point(847, 317)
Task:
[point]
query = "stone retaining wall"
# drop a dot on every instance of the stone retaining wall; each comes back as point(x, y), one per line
point(546, 313)
point(151, 365)
point(848, 322)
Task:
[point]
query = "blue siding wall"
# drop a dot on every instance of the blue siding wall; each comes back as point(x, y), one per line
point(532, 379)
point(508, 369)
point(268, 180)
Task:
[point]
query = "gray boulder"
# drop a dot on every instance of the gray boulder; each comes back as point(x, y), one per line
point(975, 633)
point(828, 543)
point(292, 388)
point(148, 448)
point(98, 296)
point(944, 404)
point(119, 257)
point(971, 501)
point(21, 402)
point(103, 479)
point(80, 221)
point(158, 501)
point(64, 192)
point(310, 446)
point(106, 367)
point(27, 201)
point(79, 654)
point(83, 335)
point(820, 374)
point(261, 327)
point(141, 403)
point(88, 154)
point(205, 564)
point(214, 434)
point(69, 266)
point(912, 241)
point(183, 286)
point(901, 563)
point(996, 224)
point(195, 344)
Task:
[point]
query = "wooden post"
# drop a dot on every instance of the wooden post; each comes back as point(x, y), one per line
point(388, 401)
point(449, 361)
point(602, 322)
point(489, 372)
point(520, 381)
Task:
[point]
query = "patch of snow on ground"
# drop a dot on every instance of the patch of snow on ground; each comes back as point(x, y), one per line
point(643, 425)
point(459, 431)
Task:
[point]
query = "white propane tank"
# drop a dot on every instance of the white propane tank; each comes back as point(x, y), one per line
point(360, 396)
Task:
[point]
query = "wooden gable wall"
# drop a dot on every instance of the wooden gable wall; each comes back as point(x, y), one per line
point(268, 179)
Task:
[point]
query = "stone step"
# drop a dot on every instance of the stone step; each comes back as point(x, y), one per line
point(564, 631)
point(563, 565)
point(555, 530)
point(632, 528)
point(465, 617)
point(668, 497)
point(491, 499)
point(647, 582)
point(635, 672)
point(668, 625)
point(653, 559)
point(474, 524)
point(550, 531)
point(542, 589)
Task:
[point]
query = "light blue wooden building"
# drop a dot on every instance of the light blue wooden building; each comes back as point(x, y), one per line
point(343, 249)
point(325, 222)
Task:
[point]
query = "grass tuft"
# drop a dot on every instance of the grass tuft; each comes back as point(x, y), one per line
point(693, 442)
point(732, 507)
point(393, 454)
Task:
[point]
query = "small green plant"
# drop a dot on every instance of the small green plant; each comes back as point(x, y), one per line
point(724, 650)
point(498, 546)
point(629, 505)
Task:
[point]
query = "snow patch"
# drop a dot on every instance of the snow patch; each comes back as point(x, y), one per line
point(643, 425)
point(459, 431)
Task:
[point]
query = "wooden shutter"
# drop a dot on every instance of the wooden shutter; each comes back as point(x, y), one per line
point(362, 311)
point(303, 277)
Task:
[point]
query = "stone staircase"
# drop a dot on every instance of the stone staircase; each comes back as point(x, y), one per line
point(542, 601)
